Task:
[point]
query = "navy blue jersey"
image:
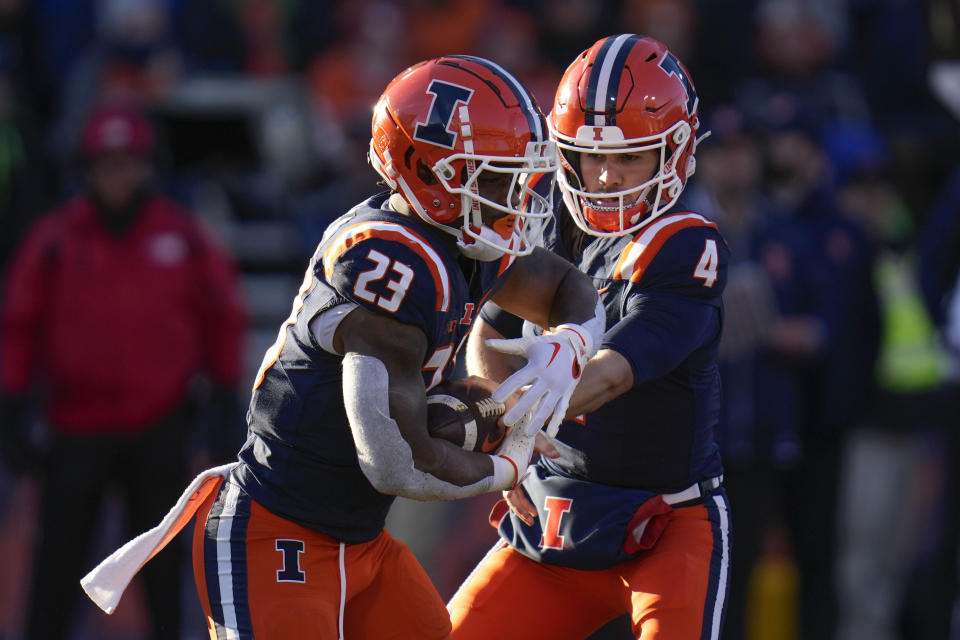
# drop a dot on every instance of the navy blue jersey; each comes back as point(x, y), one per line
point(299, 460)
point(661, 289)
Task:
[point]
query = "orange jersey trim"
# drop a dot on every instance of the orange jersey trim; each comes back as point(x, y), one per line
point(505, 262)
point(273, 353)
point(640, 252)
point(394, 233)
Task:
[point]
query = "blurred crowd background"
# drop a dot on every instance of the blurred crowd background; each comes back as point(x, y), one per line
point(833, 170)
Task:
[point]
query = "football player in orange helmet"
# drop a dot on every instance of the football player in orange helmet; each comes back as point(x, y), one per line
point(292, 544)
point(627, 100)
point(469, 165)
point(632, 517)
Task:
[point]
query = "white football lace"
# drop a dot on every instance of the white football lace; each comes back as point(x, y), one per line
point(490, 407)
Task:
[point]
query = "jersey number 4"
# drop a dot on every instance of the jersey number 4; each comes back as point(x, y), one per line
point(707, 267)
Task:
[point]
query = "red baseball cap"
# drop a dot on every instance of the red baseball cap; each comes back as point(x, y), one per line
point(117, 128)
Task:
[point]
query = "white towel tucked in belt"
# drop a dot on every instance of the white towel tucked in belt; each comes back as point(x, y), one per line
point(107, 582)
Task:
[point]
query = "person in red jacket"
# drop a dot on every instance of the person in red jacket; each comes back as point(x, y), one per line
point(114, 304)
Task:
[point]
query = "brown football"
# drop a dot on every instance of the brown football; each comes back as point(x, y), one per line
point(462, 412)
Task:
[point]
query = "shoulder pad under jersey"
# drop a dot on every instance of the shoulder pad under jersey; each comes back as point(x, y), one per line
point(682, 253)
point(389, 268)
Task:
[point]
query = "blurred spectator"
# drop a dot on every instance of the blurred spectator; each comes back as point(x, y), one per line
point(311, 29)
point(852, 150)
point(889, 50)
point(444, 27)
point(939, 261)
point(115, 303)
point(795, 47)
point(804, 157)
point(776, 331)
point(342, 80)
point(27, 178)
point(567, 27)
point(723, 56)
point(255, 37)
point(509, 37)
point(341, 84)
point(939, 266)
point(896, 585)
point(263, 26)
point(854, 61)
point(835, 385)
point(672, 22)
point(134, 60)
point(211, 37)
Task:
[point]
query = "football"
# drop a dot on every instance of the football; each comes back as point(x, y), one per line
point(462, 412)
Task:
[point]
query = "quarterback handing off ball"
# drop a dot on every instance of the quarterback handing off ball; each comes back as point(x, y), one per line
point(462, 412)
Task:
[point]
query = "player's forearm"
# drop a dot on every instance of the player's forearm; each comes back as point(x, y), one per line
point(449, 463)
point(485, 362)
point(438, 471)
point(547, 290)
point(575, 300)
point(388, 463)
point(606, 376)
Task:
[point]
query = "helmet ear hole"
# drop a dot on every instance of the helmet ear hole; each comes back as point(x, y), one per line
point(424, 173)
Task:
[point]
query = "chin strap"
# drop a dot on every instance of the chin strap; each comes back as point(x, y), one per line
point(485, 246)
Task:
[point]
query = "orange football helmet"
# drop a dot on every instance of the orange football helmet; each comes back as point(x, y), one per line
point(625, 94)
point(443, 130)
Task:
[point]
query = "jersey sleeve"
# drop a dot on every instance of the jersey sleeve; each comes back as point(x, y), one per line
point(505, 323)
point(391, 272)
point(673, 305)
point(660, 330)
point(691, 262)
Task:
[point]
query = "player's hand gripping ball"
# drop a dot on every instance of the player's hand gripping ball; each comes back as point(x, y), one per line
point(462, 412)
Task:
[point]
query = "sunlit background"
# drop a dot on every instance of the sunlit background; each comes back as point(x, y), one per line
point(833, 171)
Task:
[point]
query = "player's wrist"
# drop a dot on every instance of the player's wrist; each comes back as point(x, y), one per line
point(579, 337)
point(584, 337)
point(580, 343)
point(505, 473)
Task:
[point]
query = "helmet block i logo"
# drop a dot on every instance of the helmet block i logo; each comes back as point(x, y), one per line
point(436, 130)
point(671, 66)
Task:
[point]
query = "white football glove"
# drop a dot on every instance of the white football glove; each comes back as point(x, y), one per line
point(517, 447)
point(555, 361)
